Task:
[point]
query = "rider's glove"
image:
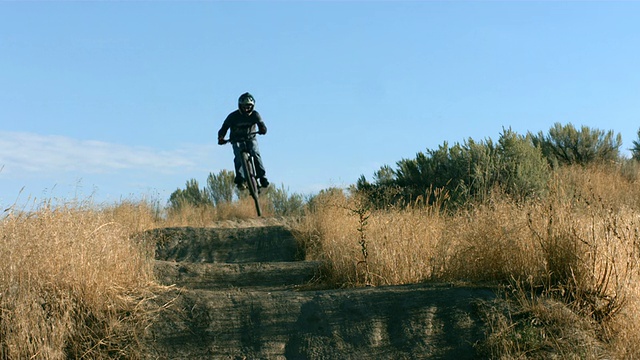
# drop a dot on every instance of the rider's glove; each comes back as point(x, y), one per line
point(262, 130)
point(221, 141)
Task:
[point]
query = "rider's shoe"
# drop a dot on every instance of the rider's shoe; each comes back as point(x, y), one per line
point(264, 182)
point(241, 186)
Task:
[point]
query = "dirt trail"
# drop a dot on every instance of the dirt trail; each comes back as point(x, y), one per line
point(240, 294)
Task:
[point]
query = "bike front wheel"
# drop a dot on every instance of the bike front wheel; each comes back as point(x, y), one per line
point(252, 182)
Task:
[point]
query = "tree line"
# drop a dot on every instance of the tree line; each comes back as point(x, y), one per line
point(220, 190)
point(518, 165)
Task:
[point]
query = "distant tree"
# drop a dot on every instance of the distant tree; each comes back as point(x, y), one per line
point(384, 175)
point(445, 167)
point(284, 204)
point(220, 187)
point(635, 150)
point(191, 195)
point(565, 145)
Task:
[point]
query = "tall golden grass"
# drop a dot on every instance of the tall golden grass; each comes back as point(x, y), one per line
point(73, 283)
point(579, 246)
point(76, 279)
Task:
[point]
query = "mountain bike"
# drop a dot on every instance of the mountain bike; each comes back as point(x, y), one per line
point(248, 168)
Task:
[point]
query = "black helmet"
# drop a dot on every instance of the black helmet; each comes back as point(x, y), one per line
point(246, 102)
point(246, 99)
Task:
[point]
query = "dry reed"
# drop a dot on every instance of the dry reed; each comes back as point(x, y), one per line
point(72, 282)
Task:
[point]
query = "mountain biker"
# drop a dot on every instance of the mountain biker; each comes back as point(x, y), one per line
point(242, 123)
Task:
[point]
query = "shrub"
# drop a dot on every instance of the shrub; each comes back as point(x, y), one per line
point(635, 150)
point(191, 195)
point(220, 187)
point(471, 170)
point(523, 171)
point(283, 203)
point(565, 145)
point(220, 190)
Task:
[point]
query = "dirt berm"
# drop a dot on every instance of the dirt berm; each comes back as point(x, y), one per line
point(243, 293)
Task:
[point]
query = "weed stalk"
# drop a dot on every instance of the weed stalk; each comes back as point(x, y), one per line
point(363, 214)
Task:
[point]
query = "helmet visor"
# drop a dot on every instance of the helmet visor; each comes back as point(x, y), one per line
point(246, 100)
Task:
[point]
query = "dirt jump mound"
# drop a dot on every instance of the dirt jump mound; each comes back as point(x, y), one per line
point(240, 294)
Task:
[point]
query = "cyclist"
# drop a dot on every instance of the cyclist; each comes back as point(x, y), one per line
point(242, 122)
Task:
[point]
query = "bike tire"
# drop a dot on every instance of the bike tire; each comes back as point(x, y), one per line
point(252, 182)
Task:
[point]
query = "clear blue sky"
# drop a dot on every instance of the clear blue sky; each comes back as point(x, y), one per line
point(123, 99)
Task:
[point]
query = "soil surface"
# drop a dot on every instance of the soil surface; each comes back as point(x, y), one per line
point(248, 293)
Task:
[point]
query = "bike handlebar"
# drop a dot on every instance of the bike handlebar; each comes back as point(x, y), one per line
point(236, 140)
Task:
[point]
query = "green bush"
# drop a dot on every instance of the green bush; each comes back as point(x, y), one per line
point(464, 171)
point(565, 145)
point(523, 170)
point(283, 203)
point(635, 150)
point(220, 188)
point(190, 195)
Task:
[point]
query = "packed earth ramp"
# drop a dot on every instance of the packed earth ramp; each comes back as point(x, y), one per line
point(242, 293)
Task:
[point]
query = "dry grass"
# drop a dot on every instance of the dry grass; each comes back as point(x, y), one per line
point(72, 282)
point(76, 280)
point(394, 240)
point(539, 328)
point(579, 246)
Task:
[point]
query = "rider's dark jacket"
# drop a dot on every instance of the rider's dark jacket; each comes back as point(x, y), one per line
point(241, 125)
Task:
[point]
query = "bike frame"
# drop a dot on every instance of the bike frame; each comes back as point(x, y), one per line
point(249, 170)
